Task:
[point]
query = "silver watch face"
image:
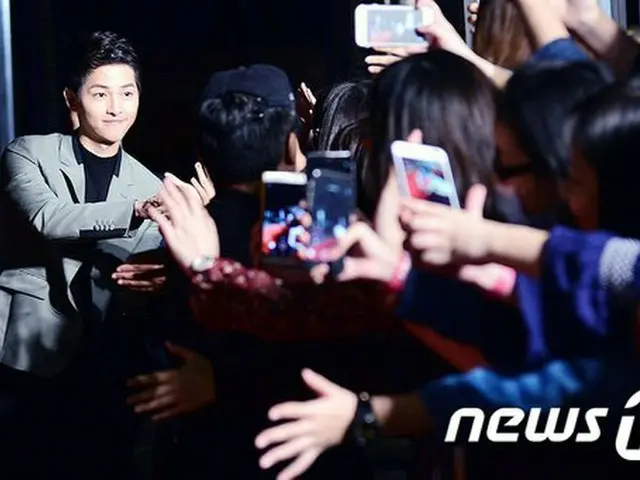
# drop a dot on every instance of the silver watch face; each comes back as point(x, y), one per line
point(202, 264)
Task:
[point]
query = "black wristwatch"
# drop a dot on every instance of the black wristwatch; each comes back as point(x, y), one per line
point(364, 426)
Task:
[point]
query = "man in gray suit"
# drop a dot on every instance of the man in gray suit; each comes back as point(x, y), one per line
point(72, 208)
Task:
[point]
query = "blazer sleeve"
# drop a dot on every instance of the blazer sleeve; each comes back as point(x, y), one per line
point(27, 189)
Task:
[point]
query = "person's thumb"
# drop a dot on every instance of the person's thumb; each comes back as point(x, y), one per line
point(317, 382)
point(476, 198)
point(415, 136)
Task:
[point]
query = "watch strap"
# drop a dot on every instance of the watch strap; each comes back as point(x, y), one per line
point(365, 426)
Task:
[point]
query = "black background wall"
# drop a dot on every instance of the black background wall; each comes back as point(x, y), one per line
point(180, 44)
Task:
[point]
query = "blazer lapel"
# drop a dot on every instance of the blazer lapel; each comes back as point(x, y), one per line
point(72, 169)
point(122, 182)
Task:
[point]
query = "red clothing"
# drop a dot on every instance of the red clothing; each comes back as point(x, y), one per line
point(233, 298)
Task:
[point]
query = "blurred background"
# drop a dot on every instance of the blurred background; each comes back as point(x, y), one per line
point(180, 45)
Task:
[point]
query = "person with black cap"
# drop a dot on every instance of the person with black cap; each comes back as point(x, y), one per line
point(247, 125)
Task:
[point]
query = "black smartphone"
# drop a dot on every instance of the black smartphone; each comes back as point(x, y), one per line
point(331, 202)
point(338, 161)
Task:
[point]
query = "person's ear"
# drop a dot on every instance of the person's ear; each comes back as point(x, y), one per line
point(294, 159)
point(70, 99)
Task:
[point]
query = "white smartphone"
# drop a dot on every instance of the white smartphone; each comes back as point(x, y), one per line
point(424, 172)
point(380, 26)
point(282, 195)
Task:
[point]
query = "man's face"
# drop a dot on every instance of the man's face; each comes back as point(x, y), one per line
point(107, 103)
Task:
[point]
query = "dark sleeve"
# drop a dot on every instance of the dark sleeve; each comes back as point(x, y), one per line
point(577, 284)
point(556, 384)
point(563, 49)
point(465, 314)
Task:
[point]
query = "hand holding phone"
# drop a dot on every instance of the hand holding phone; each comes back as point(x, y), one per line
point(380, 26)
point(331, 202)
point(424, 172)
point(282, 233)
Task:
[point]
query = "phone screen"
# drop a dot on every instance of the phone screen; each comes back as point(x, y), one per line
point(426, 180)
point(393, 26)
point(281, 230)
point(331, 201)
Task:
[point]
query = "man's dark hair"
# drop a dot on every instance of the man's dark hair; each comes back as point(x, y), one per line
point(98, 50)
point(240, 137)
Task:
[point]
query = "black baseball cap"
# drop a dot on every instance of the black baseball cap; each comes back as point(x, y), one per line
point(267, 82)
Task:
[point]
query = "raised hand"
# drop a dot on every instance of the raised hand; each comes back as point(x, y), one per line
point(189, 232)
point(384, 57)
point(203, 184)
point(441, 34)
point(171, 393)
point(313, 426)
point(438, 235)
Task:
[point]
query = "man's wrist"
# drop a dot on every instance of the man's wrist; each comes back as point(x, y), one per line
point(364, 426)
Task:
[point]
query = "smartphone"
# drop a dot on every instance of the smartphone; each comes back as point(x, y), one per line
point(424, 172)
point(390, 25)
point(331, 201)
point(282, 196)
point(337, 161)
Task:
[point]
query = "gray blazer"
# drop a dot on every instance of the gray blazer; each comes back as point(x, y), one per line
point(44, 228)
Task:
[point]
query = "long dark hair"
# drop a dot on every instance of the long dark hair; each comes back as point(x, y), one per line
point(452, 103)
point(606, 134)
point(501, 35)
point(337, 107)
point(535, 106)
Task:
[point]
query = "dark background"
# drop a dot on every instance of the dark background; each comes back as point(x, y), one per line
point(180, 43)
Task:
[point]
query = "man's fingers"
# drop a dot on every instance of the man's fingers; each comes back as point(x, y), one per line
point(282, 433)
point(425, 223)
point(189, 196)
point(415, 136)
point(290, 449)
point(151, 379)
point(155, 404)
point(201, 172)
point(381, 60)
point(425, 241)
point(290, 410)
point(199, 188)
point(147, 395)
point(299, 465)
point(145, 285)
point(394, 51)
point(173, 199)
point(417, 206)
point(130, 271)
point(357, 234)
point(355, 268)
point(164, 224)
point(476, 198)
